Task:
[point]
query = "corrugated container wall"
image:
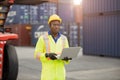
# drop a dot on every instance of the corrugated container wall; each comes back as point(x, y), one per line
point(65, 10)
point(118, 23)
point(71, 31)
point(42, 13)
point(37, 31)
point(45, 10)
point(101, 27)
point(38, 15)
point(67, 29)
point(18, 15)
point(28, 14)
point(95, 6)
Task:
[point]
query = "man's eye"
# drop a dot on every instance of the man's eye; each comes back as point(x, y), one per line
point(56, 24)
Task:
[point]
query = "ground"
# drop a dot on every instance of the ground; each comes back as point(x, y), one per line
point(82, 68)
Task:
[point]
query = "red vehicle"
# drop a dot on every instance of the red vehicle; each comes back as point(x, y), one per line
point(8, 56)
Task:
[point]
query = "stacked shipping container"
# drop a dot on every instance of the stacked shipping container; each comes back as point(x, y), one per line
point(37, 31)
point(45, 10)
point(39, 27)
point(38, 16)
point(18, 15)
point(101, 25)
point(65, 10)
point(26, 14)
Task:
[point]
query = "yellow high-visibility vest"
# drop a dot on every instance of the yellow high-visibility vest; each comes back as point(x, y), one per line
point(51, 69)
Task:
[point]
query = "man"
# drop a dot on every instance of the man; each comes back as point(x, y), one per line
point(48, 48)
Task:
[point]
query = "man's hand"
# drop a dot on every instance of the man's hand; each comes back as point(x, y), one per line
point(51, 56)
point(38, 56)
point(66, 59)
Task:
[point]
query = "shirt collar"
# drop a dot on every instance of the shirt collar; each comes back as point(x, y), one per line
point(59, 34)
point(55, 39)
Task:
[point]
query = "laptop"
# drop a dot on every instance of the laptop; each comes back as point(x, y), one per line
point(70, 52)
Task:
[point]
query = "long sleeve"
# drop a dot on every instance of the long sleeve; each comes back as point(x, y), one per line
point(66, 43)
point(40, 50)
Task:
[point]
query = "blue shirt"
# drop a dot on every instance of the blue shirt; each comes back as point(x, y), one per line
point(55, 39)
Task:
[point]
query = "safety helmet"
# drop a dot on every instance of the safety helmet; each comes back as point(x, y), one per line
point(53, 18)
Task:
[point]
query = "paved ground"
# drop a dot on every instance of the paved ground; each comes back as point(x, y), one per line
point(82, 68)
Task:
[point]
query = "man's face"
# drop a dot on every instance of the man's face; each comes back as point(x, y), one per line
point(55, 27)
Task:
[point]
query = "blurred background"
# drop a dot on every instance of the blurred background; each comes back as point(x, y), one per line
point(91, 24)
point(29, 22)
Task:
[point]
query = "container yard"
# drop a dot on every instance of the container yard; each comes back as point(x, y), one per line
point(92, 26)
point(101, 25)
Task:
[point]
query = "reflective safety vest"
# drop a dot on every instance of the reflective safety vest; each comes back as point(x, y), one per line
point(51, 69)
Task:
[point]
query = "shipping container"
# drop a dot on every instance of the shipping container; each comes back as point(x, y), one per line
point(28, 14)
point(101, 30)
point(24, 34)
point(23, 14)
point(34, 16)
point(96, 6)
point(118, 28)
point(38, 15)
point(37, 31)
point(18, 15)
point(73, 35)
point(69, 30)
point(65, 11)
point(45, 10)
point(12, 15)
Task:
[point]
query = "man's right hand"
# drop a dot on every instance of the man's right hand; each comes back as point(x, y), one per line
point(51, 56)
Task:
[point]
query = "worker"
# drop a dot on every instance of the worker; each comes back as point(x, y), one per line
point(48, 48)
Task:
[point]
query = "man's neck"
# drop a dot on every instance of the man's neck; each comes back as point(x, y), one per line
point(54, 35)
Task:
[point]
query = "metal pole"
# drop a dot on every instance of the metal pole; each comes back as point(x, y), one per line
point(78, 20)
point(78, 25)
point(57, 6)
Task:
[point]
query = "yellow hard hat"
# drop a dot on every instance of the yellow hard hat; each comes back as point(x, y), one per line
point(53, 18)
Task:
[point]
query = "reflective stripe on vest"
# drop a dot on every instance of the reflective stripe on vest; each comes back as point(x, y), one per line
point(47, 42)
point(63, 40)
